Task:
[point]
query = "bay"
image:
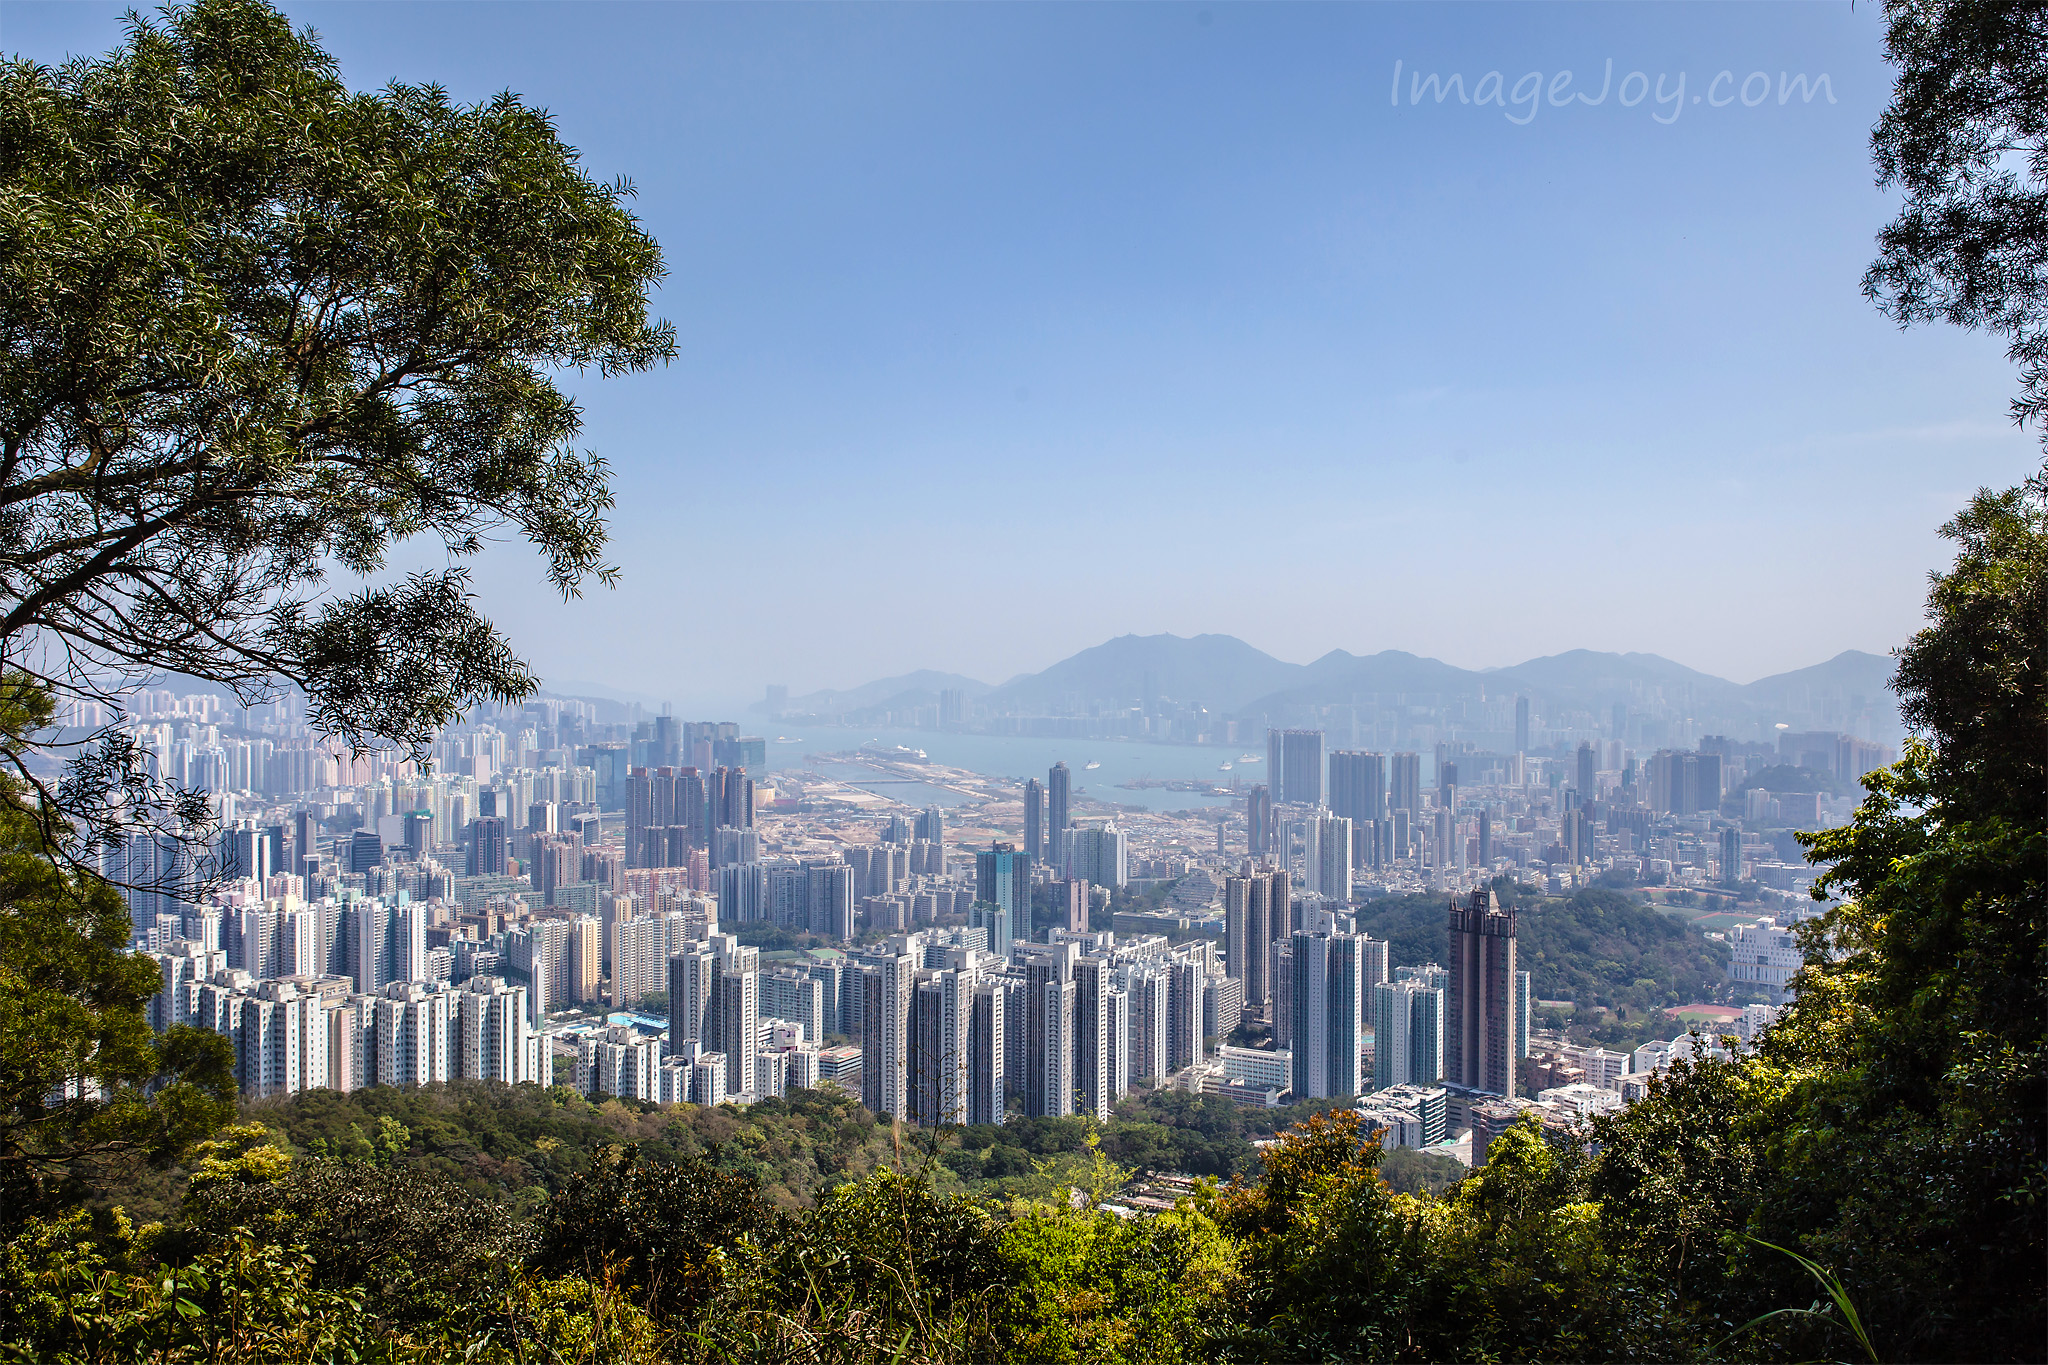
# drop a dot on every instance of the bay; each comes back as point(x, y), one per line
point(1016, 758)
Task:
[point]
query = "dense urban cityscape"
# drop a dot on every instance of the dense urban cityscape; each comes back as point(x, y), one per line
point(459, 901)
point(648, 909)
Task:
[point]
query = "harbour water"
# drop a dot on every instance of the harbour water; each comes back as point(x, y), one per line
point(1005, 756)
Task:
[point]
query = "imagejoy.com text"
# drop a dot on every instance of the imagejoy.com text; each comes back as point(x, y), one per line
point(1667, 97)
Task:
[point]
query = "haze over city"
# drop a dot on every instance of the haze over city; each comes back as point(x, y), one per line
point(1005, 331)
point(1115, 684)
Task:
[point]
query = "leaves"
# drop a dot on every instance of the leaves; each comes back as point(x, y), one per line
point(256, 328)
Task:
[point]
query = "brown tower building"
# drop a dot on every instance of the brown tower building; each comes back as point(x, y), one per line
point(1480, 1006)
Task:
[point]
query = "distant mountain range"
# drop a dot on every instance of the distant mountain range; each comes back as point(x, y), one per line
point(921, 688)
point(1226, 675)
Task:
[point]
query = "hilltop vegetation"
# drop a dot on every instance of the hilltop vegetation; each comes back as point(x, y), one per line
point(1596, 946)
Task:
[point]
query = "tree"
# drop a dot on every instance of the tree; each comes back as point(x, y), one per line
point(83, 1079)
point(664, 1229)
point(1966, 136)
point(255, 328)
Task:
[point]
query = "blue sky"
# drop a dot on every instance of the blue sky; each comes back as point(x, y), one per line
point(1009, 328)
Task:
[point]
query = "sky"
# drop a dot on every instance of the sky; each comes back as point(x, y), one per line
point(1005, 329)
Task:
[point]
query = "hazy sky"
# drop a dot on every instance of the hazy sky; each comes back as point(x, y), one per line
point(1006, 329)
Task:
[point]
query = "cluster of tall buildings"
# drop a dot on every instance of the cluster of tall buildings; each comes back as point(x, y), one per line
point(1094, 850)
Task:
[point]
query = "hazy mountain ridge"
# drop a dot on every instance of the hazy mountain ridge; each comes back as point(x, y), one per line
point(1218, 671)
point(1227, 675)
point(921, 687)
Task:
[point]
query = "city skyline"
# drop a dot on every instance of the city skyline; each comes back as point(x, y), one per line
point(951, 278)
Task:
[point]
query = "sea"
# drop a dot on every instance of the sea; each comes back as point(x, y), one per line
point(1006, 756)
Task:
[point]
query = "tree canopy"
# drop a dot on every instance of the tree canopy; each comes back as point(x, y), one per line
point(1966, 137)
point(257, 329)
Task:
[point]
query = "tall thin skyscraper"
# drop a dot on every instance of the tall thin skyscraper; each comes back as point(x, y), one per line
point(1255, 913)
point(1405, 791)
point(1058, 783)
point(1481, 1004)
point(1334, 858)
point(1588, 764)
point(1327, 997)
point(942, 1051)
point(1258, 821)
point(1072, 896)
point(1408, 1034)
point(1049, 971)
point(1034, 820)
point(1003, 878)
point(1294, 766)
point(1092, 984)
point(306, 845)
point(1521, 725)
point(1358, 786)
point(887, 985)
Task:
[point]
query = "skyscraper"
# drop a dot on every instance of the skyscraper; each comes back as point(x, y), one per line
point(1250, 926)
point(1405, 784)
point(1099, 853)
point(1049, 1028)
point(489, 847)
point(887, 984)
point(985, 1075)
point(941, 1025)
point(828, 899)
point(306, 844)
point(1408, 1034)
point(1521, 725)
point(1003, 879)
point(1072, 895)
point(931, 827)
point(1326, 997)
point(1358, 785)
point(1731, 855)
point(1333, 860)
point(1480, 1005)
point(1057, 795)
point(1034, 820)
point(1092, 1049)
point(1294, 765)
point(1258, 821)
point(1588, 765)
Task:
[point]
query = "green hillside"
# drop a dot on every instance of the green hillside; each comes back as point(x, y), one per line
point(1595, 946)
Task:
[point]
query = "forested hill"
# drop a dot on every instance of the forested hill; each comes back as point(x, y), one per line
point(1594, 946)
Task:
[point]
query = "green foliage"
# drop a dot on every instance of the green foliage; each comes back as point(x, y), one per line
point(1891, 1127)
point(1095, 1287)
point(84, 1083)
point(664, 1230)
point(258, 326)
point(520, 1143)
point(1596, 946)
point(1966, 137)
point(1408, 1171)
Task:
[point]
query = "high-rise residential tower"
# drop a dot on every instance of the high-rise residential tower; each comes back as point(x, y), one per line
point(1481, 1003)
point(1034, 820)
point(1049, 987)
point(1404, 790)
point(1058, 795)
point(1327, 989)
point(1294, 766)
point(1258, 821)
point(1358, 786)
